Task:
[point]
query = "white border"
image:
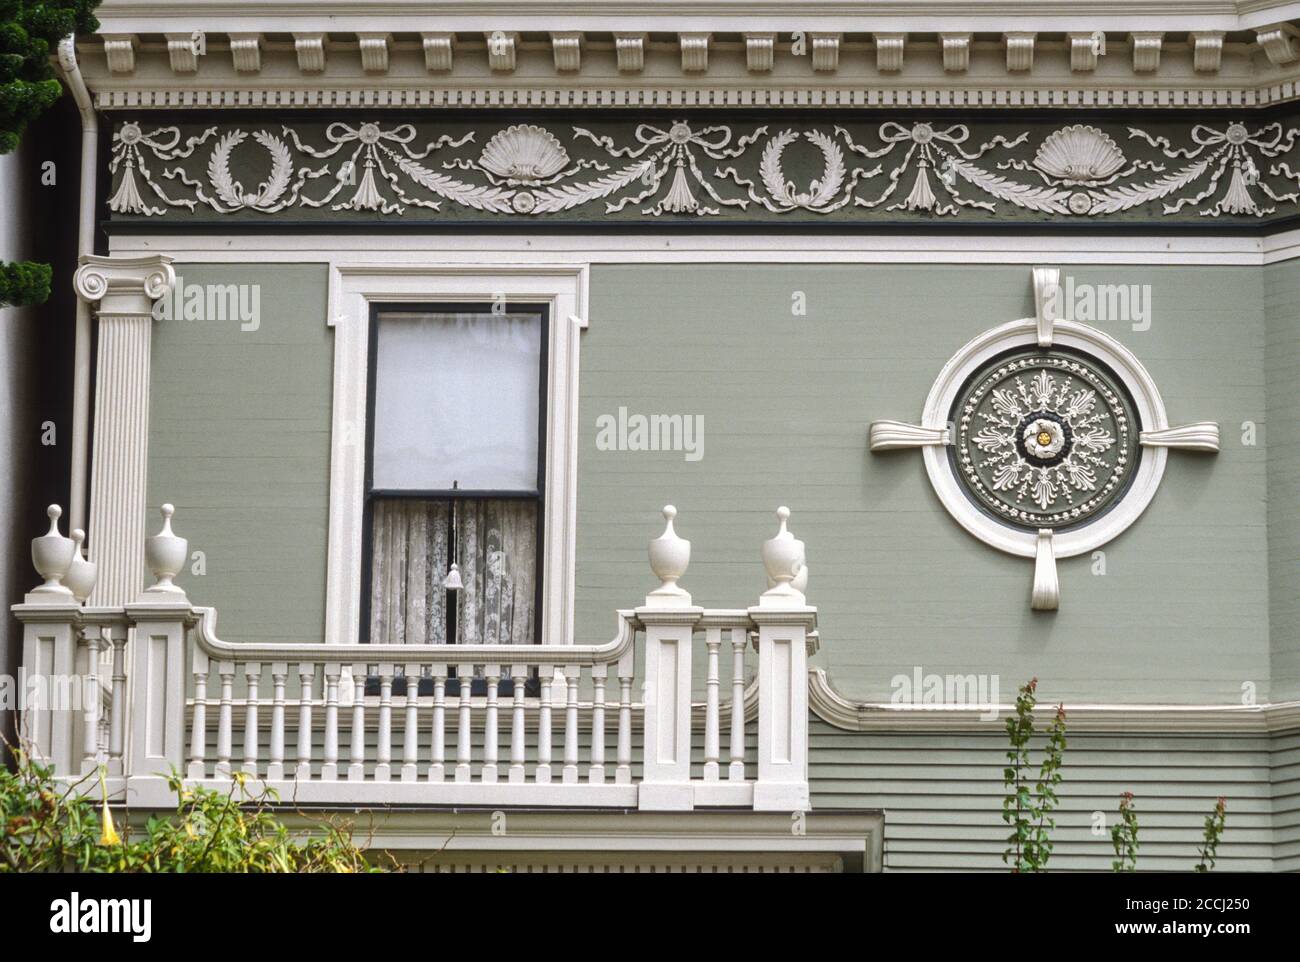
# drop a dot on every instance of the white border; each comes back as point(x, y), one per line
point(776, 246)
point(1091, 342)
point(353, 288)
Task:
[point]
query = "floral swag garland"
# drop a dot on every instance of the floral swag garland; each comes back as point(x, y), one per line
point(524, 169)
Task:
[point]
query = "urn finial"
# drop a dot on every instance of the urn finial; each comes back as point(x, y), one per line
point(165, 553)
point(669, 557)
point(51, 556)
point(783, 557)
point(81, 575)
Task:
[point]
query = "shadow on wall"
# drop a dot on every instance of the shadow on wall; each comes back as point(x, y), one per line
point(36, 352)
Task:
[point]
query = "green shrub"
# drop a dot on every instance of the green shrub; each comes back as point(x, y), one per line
point(29, 32)
point(53, 827)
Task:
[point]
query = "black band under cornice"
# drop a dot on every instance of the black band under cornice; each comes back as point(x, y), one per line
point(1225, 171)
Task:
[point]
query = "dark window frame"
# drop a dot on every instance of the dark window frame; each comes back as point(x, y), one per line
point(372, 494)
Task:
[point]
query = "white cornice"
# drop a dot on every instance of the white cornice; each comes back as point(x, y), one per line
point(834, 708)
point(670, 53)
point(921, 16)
point(723, 74)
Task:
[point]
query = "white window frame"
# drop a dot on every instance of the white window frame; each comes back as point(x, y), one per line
point(354, 288)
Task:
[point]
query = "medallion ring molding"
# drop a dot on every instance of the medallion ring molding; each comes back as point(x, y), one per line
point(1045, 332)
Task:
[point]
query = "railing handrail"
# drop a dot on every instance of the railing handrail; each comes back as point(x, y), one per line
point(609, 653)
point(205, 634)
point(559, 745)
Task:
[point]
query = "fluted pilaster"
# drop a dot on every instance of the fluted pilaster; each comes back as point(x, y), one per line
point(123, 290)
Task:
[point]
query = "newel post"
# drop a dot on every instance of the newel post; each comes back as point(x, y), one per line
point(162, 617)
point(51, 617)
point(669, 620)
point(785, 622)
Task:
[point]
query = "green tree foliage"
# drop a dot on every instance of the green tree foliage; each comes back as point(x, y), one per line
point(46, 826)
point(1027, 807)
point(29, 33)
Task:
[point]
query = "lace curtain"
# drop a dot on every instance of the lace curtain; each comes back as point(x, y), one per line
point(412, 552)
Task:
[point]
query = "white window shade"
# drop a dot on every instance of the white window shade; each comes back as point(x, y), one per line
point(456, 402)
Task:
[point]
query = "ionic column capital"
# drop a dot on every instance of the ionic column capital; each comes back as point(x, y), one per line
point(124, 286)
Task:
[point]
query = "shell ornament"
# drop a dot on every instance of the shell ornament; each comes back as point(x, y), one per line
point(524, 154)
point(1079, 154)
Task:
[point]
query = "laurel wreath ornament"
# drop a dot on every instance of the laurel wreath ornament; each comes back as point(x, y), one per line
point(782, 190)
point(230, 192)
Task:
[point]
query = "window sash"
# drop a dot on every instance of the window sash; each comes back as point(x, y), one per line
point(374, 495)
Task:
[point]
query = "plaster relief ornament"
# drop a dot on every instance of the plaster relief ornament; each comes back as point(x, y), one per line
point(674, 150)
point(854, 171)
point(128, 144)
point(927, 149)
point(1044, 438)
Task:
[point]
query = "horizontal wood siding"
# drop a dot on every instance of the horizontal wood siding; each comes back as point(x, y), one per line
point(1286, 802)
point(942, 796)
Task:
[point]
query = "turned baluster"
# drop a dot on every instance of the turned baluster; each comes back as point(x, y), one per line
point(490, 733)
point(623, 771)
point(571, 725)
point(596, 772)
point(275, 767)
point(518, 733)
point(411, 734)
point(713, 641)
point(465, 675)
point(330, 766)
point(438, 746)
point(199, 721)
point(357, 749)
point(383, 765)
point(117, 711)
point(544, 725)
point(252, 676)
point(306, 675)
point(736, 770)
point(92, 696)
point(226, 671)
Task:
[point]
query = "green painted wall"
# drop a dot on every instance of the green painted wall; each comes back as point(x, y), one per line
point(1182, 612)
point(239, 441)
point(1282, 443)
point(1281, 439)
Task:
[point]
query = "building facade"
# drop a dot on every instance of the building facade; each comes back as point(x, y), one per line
point(419, 321)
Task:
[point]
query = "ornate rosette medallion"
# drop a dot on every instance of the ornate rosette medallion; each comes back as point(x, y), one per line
point(1044, 439)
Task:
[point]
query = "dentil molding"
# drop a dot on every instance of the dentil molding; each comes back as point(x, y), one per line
point(670, 54)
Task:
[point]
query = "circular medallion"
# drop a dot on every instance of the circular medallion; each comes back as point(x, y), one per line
point(1079, 202)
point(1044, 439)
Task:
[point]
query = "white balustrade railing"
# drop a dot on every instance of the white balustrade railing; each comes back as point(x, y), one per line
point(498, 725)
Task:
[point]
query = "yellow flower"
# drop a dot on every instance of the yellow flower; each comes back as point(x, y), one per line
point(108, 836)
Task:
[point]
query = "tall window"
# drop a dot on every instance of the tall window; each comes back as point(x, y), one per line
point(455, 474)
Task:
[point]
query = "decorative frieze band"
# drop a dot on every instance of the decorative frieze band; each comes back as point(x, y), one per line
point(714, 167)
